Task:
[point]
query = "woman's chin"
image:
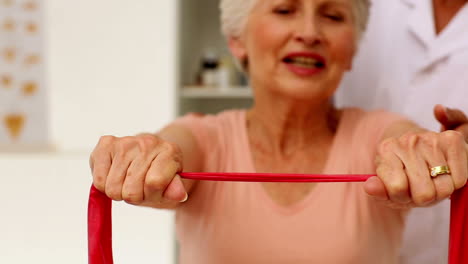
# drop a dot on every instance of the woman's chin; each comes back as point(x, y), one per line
point(305, 91)
point(305, 94)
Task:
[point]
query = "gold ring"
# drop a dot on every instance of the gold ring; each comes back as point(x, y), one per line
point(439, 170)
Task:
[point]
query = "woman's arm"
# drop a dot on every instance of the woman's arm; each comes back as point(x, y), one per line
point(192, 156)
point(142, 170)
point(404, 159)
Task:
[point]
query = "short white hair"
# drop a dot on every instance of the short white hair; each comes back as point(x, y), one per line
point(234, 14)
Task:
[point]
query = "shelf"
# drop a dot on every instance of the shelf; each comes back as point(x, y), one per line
point(26, 149)
point(199, 33)
point(208, 92)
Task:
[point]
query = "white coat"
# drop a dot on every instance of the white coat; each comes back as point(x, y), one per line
point(404, 67)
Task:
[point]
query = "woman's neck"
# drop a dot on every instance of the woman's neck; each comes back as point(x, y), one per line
point(285, 126)
point(445, 11)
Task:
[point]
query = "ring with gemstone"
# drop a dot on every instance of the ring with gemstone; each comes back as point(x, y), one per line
point(439, 170)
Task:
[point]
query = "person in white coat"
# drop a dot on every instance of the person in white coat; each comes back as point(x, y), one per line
point(414, 56)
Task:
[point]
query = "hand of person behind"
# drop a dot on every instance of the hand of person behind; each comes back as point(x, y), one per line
point(141, 170)
point(452, 119)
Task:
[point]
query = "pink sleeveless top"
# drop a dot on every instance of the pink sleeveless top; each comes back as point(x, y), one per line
point(238, 223)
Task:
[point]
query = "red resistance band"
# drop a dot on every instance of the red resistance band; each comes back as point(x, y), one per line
point(100, 212)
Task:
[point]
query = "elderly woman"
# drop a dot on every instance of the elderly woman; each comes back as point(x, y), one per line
point(295, 53)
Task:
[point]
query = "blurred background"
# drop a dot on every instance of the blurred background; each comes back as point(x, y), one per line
point(72, 71)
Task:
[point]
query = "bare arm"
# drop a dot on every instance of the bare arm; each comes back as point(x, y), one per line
point(192, 159)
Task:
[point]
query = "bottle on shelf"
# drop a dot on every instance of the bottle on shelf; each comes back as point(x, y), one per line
point(225, 73)
point(209, 69)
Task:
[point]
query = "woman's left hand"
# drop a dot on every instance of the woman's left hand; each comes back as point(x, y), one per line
point(404, 168)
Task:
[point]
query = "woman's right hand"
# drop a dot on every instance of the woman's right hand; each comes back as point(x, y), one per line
point(141, 170)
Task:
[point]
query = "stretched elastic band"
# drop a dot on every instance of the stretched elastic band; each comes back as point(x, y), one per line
point(100, 220)
point(458, 242)
point(273, 177)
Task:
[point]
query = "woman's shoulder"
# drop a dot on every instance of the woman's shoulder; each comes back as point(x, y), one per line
point(213, 127)
point(227, 115)
point(215, 134)
point(366, 125)
point(359, 134)
point(376, 116)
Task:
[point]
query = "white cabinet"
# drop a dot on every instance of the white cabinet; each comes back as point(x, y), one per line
point(200, 34)
point(44, 207)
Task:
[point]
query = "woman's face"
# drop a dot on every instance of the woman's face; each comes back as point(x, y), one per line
point(300, 48)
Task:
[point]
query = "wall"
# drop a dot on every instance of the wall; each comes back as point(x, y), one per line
point(110, 70)
point(43, 215)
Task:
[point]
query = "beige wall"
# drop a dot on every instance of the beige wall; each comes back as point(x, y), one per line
point(110, 70)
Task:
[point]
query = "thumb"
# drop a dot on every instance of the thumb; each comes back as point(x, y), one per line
point(449, 118)
point(376, 188)
point(440, 114)
point(175, 191)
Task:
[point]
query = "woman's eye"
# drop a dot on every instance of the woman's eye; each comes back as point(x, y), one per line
point(284, 11)
point(336, 18)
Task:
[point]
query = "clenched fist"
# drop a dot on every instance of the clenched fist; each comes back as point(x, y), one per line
point(141, 170)
point(404, 168)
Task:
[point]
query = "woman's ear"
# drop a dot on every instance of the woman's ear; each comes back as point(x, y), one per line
point(237, 48)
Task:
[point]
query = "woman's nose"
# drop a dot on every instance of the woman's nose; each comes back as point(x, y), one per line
point(308, 32)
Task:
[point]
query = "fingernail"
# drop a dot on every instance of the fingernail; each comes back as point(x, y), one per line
point(185, 198)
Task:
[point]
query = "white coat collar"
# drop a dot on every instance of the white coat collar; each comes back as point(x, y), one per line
point(455, 35)
point(421, 20)
point(421, 25)
point(409, 2)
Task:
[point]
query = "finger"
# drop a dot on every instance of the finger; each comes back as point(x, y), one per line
point(375, 187)
point(456, 155)
point(463, 129)
point(441, 115)
point(161, 173)
point(443, 184)
point(117, 173)
point(100, 163)
point(421, 186)
point(176, 190)
point(390, 170)
point(133, 186)
point(450, 118)
point(455, 117)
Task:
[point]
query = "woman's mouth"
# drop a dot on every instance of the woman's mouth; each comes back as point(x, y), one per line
point(305, 64)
